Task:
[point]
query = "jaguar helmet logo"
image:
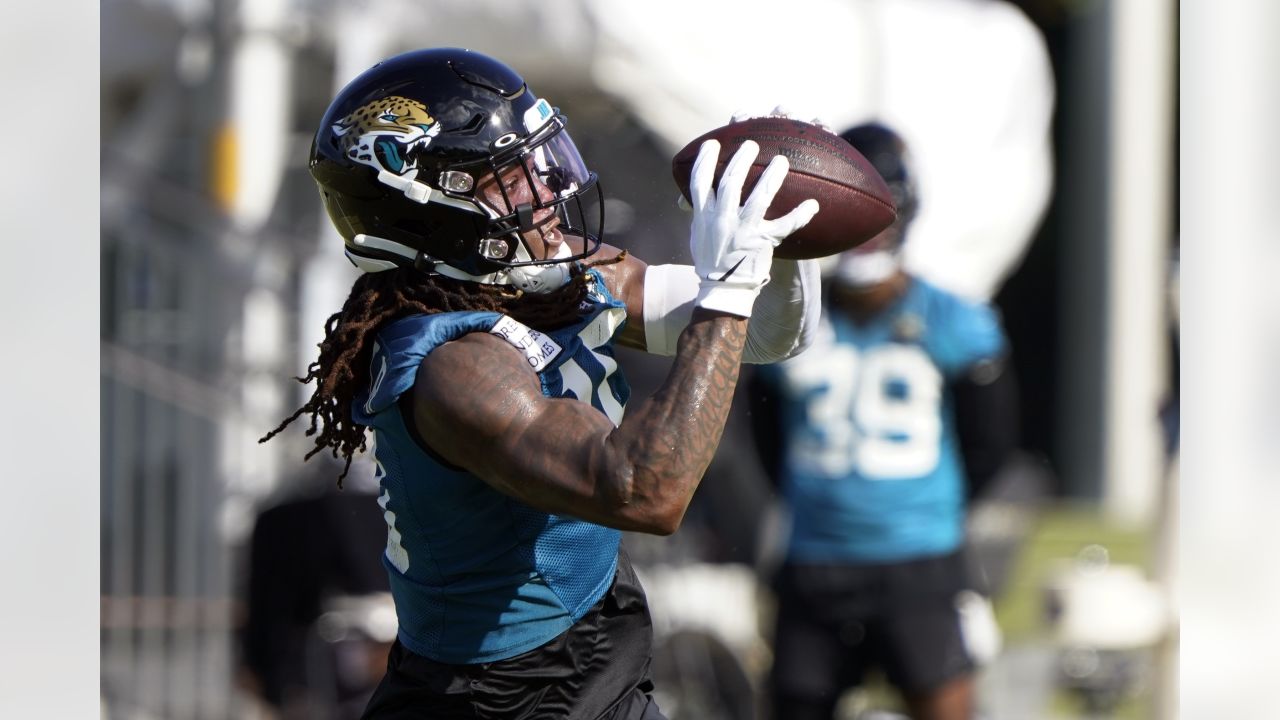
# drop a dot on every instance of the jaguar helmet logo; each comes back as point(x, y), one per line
point(383, 134)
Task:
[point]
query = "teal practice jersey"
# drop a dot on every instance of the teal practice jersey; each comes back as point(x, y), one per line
point(478, 576)
point(872, 470)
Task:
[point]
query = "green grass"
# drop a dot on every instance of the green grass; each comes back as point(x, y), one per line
point(1060, 534)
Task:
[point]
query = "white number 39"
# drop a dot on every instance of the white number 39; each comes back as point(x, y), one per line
point(876, 413)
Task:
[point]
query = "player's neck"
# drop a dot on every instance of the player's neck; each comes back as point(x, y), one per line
point(862, 305)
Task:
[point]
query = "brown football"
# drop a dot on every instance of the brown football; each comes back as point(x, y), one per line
point(854, 202)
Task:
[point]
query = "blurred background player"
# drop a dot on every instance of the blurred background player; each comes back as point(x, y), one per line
point(478, 346)
point(319, 619)
point(878, 434)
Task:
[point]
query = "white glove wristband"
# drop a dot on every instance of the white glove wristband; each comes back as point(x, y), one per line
point(725, 298)
point(784, 320)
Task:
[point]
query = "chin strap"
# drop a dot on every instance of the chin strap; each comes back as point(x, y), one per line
point(540, 278)
point(529, 278)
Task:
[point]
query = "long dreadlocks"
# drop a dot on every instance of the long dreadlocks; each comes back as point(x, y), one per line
point(377, 299)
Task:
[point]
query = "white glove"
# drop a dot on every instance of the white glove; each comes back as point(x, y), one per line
point(785, 319)
point(732, 246)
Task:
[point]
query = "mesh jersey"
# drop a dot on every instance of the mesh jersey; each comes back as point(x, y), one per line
point(478, 576)
point(872, 470)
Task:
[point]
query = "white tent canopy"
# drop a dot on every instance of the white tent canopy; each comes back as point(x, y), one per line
point(966, 82)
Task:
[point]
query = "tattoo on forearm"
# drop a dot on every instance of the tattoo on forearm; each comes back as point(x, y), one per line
point(686, 418)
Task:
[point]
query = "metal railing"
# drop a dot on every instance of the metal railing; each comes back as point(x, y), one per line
point(181, 404)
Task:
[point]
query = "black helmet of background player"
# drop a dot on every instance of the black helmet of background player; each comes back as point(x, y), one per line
point(404, 149)
point(880, 258)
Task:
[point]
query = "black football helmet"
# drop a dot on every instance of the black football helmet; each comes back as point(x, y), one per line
point(880, 258)
point(404, 151)
point(887, 153)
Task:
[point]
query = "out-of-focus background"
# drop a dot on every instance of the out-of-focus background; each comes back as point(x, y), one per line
point(1048, 139)
point(1045, 137)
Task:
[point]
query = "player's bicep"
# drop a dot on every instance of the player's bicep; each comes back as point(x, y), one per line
point(479, 405)
point(626, 280)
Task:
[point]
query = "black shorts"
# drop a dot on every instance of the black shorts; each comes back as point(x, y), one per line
point(599, 668)
point(837, 621)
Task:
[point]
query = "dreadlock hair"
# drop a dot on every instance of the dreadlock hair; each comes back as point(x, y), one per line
point(379, 298)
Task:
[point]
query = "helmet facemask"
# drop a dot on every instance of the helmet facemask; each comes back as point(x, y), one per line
point(872, 263)
point(532, 192)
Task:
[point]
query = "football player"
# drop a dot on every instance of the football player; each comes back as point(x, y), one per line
point(875, 435)
point(478, 347)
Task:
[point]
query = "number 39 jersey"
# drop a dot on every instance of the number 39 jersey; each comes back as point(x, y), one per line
point(478, 576)
point(872, 469)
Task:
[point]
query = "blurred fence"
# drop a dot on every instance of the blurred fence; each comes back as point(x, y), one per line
point(178, 487)
point(166, 617)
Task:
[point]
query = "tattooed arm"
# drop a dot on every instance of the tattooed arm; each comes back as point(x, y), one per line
point(563, 456)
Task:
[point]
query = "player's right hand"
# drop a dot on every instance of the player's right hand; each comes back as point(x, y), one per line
point(732, 245)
